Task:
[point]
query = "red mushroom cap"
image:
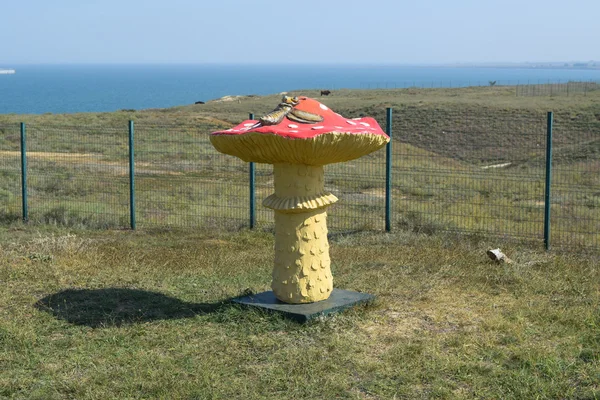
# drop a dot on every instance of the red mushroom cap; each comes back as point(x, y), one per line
point(335, 139)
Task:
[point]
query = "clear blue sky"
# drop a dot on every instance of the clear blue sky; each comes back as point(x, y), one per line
point(309, 31)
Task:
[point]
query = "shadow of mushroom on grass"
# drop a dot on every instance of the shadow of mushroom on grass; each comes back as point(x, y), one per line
point(119, 306)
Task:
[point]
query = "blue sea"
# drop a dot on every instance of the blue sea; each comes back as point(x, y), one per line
point(38, 89)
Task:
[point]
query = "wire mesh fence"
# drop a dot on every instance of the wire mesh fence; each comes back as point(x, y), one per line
point(470, 173)
point(436, 84)
point(531, 88)
point(576, 181)
point(559, 88)
point(358, 184)
point(452, 170)
point(76, 175)
point(182, 181)
point(537, 87)
point(10, 173)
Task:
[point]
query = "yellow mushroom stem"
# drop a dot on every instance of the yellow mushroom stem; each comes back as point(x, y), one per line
point(302, 272)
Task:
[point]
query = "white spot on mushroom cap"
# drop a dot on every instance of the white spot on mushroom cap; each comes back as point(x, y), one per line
point(323, 106)
point(294, 131)
point(292, 126)
point(317, 127)
point(364, 123)
point(248, 124)
point(356, 119)
point(351, 123)
point(339, 127)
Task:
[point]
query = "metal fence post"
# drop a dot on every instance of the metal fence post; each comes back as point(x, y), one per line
point(547, 200)
point(24, 173)
point(252, 173)
point(132, 221)
point(388, 172)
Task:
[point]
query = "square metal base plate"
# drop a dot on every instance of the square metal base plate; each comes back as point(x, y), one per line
point(338, 301)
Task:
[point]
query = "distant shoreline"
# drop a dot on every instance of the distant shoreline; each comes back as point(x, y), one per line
point(560, 66)
point(524, 67)
point(591, 65)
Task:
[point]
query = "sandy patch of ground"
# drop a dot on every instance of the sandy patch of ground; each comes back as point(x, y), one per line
point(72, 157)
point(118, 168)
point(375, 192)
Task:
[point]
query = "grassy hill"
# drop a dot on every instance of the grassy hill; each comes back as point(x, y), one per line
point(468, 159)
point(440, 120)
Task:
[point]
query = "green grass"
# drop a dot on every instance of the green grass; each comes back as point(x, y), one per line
point(117, 314)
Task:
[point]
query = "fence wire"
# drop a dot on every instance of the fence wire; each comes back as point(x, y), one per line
point(181, 180)
point(453, 170)
point(77, 175)
point(569, 88)
point(358, 184)
point(10, 173)
point(576, 181)
point(464, 172)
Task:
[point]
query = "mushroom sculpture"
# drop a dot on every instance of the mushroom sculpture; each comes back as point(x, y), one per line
point(299, 137)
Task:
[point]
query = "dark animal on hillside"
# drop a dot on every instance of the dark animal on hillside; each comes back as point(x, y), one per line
point(325, 92)
point(199, 102)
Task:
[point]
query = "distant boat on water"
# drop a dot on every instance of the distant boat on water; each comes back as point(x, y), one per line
point(7, 71)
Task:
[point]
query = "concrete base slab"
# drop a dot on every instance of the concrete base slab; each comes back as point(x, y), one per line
point(338, 301)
